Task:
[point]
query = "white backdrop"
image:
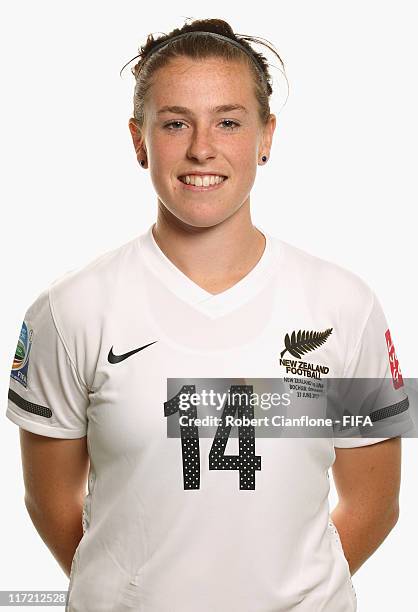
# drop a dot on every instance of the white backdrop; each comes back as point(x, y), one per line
point(340, 183)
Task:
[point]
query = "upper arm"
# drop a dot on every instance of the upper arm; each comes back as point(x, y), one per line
point(48, 401)
point(54, 469)
point(46, 394)
point(369, 474)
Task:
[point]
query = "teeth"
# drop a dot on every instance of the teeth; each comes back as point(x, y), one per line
point(202, 181)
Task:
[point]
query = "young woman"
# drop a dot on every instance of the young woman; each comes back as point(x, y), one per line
point(179, 517)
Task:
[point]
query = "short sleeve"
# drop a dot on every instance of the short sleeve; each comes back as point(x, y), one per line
point(46, 395)
point(372, 387)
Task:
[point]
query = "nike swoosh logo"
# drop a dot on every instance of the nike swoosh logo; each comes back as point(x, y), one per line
point(112, 358)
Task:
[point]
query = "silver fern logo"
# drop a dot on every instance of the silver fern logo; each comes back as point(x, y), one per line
point(298, 344)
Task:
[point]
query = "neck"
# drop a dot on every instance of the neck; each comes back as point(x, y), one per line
point(216, 257)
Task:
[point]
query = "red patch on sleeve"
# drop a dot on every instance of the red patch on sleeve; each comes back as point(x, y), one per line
point(394, 363)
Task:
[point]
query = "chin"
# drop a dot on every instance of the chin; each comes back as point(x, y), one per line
point(204, 214)
point(201, 215)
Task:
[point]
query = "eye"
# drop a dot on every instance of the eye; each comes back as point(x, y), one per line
point(173, 123)
point(229, 121)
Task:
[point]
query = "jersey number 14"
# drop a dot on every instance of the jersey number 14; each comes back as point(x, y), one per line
point(246, 462)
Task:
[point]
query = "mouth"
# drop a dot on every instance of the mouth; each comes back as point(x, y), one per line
point(205, 182)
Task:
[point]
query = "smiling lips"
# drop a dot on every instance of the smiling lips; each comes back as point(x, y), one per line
point(202, 182)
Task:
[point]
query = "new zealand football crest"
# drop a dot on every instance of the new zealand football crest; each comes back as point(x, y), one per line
point(298, 344)
point(21, 359)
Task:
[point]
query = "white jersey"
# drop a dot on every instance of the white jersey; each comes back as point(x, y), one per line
point(185, 524)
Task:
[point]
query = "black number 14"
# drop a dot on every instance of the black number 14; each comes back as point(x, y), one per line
point(246, 462)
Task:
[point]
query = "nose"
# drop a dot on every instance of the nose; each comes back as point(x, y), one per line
point(201, 146)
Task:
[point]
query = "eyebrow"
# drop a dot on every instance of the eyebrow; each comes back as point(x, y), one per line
point(224, 108)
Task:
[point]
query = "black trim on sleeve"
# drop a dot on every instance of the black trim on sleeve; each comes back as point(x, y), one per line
point(389, 411)
point(29, 406)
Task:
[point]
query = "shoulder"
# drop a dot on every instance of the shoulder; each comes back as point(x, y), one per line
point(327, 289)
point(76, 303)
point(92, 284)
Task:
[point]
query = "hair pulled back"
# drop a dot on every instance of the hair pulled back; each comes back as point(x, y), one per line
point(200, 47)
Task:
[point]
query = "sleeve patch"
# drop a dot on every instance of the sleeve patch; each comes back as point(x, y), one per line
point(393, 361)
point(21, 359)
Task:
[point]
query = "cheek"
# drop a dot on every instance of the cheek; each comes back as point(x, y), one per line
point(165, 152)
point(244, 150)
point(163, 148)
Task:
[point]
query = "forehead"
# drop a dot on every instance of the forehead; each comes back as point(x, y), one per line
point(202, 83)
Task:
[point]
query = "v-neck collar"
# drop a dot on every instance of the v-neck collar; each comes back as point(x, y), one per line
point(186, 289)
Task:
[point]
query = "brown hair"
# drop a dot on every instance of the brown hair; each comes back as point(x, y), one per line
point(200, 46)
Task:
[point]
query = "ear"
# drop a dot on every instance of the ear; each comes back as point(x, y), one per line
point(138, 140)
point(267, 136)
